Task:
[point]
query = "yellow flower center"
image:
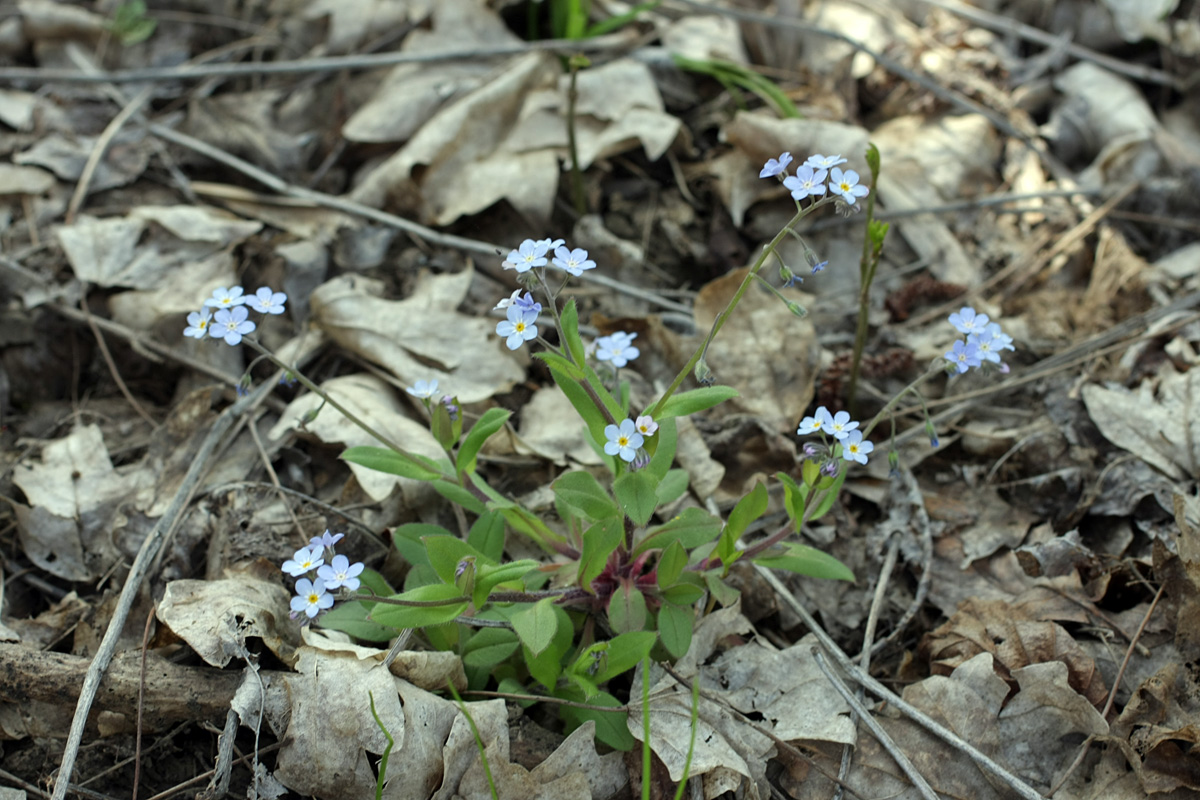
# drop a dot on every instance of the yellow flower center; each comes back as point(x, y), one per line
point(623, 441)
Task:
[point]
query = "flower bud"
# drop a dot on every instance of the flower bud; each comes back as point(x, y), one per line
point(464, 575)
point(641, 460)
point(788, 277)
point(830, 468)
point(894, 463)
point(931, 433)
point(797, 309)
point(704, 375)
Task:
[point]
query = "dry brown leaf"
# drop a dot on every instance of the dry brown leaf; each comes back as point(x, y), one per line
point(216, 617)
point(1016, 641)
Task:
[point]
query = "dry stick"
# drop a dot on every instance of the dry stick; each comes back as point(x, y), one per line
point(1112, 693)
point(131, 108)
point(112, 367)
point(885, 571)
point(883, 693)
point(358, 209)
point(611, 42)
point(141, 702)
point(922, 520)
point(133, 582)
point(906, 766)
point(1003, 24)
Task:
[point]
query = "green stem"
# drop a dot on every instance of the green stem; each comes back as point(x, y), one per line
point(866, 272)
point(935, 368)
point(312, 387)
point(724, 315)
point(578, 197)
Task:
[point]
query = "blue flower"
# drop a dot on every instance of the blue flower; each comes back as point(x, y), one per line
point(817, 422)
point(775, 167)
point(520, 327)
point(806, 182)
point(311, 598)
point(623, 440)
point(226, 298)
point(846, 185)
point(526, 303)
point(422, 389)
point(326, 539)
point(840, 425)
point(964, 355)
point(198, 324)
point(231, 325)
point(818, 267)
point(1000, 339)
point(529, 255)
point(855, 449)
point(304, 560)
point(818, 161)
point(617, 348)
point(340, 572)
point(985, 346)
point(573, 261)
point(967, 321)
point(266, 301)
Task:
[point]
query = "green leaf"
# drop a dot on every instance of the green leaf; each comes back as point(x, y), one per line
point(748, 509)
point(627, 609)
point(350, 617)
point(578, 397)
point(624, 653)
point(805, 560)
point(489, 647)
point(581, 491)
point(635, 492)
point(446, 430)
point(722, 592)
point(691, 528)
point(381, 459)
point(492, 420)
point(420, 616)
point(670, 564)
point(569, 320)
point(613, 23)
point(672, 486)
point(445, 553)
point(663, 454)
point(684, 403)
point(409, 541)
point(829, 498)
point(675, 628)
point(547, 666)
point(688, 590)
point(487, 535)
point(490, 576)
point(460, 496)
point(793, 498)
point(610, 725)
point(599, 541)
point(536, 625)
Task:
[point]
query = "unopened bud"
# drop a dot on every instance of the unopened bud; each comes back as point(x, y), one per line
point(788, 277)
point(830, 468)
point(641, 460)
point(704, 375)
point(931, 433)
point(464, 575)
point(797, 309)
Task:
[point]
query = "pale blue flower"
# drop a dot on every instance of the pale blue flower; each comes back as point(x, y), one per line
point(964, 355)
point(818, 267)
point(846, 185)
point(520, 327)
point(304, 560)
point(985, 346)
point(231, 325)
point(1000, 339)
point(855, 449)
point(840, 425)
point(550, 244)
point(326, 539)
point(311, 598)
point(623, 440)
point(818, 421)
point(573, 261)
point(967, 321)
point(617, 348)
point(340, 573)
point(775, 167)
point(806, 182)
point(266, 301)
point(226, 298)
point(529, 255)
point(198, 324)
point(818, 161)
point(422, 389)
point(645, 425)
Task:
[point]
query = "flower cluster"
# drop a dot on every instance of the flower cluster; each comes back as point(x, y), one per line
point(230, 320)
point(626, 439)
point(617, 348)
point(314, 596)
point(535, 254)
point(810, 178)
point(984, 343)
point(842, 429)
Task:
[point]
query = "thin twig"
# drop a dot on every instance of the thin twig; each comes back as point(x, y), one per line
point(42, 76)
point(141, 703)
point(112, 366)
point(101, 147)
point(883, 693)
point(137, 575)
point(885, 741)
point(925, 530)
